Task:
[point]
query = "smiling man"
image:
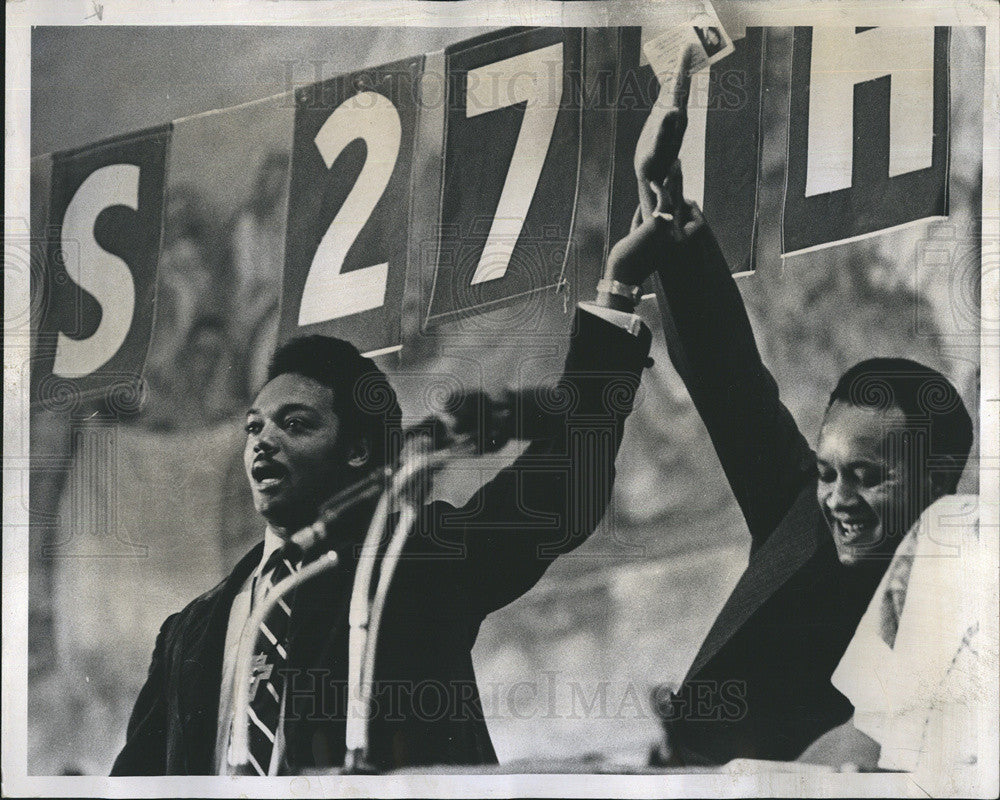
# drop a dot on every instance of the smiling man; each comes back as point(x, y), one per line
point(823, 526)
point(894, 439)
point(324, 419)
point(860, 484)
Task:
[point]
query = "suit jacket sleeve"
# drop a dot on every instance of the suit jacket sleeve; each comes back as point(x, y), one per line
point(766, 459)
point(555, 494)
point(145, 751)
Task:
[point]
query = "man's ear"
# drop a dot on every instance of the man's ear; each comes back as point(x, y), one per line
point(360, 453)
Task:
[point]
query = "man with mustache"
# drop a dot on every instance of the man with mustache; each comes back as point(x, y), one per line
point(895, 438)
point(325, 418)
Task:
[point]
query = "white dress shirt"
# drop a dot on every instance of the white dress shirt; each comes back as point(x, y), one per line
point(252, 592)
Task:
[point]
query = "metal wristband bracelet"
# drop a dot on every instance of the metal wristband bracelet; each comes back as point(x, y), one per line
point(619, 289)
point(626, 290)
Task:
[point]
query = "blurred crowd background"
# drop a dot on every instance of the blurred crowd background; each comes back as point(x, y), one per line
point(147, 509)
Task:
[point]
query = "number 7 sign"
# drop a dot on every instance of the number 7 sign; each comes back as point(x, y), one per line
point(348, 208)
point(511, 162)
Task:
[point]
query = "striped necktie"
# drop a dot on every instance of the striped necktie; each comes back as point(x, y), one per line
point(267, 672)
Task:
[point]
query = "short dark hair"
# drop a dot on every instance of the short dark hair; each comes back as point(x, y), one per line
point(363, 398)
point(926, 398)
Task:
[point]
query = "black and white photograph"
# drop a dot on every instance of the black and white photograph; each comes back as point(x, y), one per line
point(501, 399)
point(710, 38)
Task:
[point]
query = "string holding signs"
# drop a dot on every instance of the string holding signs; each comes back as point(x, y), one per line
point(868, 133)
point(348, 207)
point(512, 133)
point(105, 222)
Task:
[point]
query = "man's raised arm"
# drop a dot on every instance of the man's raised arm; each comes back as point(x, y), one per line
point(711, 344)
point(556, 493)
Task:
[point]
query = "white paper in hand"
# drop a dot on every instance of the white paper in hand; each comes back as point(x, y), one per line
point(664, 47)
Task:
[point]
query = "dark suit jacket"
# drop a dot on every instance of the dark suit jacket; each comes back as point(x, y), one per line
point(458, 566)
point(760, 684)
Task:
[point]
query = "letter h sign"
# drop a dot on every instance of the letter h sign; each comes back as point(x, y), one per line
point(868, 132)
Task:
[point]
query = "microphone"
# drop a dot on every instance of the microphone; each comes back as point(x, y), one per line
point(524, 414)
point(430, 435)
point(313, 537)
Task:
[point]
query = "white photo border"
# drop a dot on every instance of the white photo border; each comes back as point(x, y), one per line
point(734, 15)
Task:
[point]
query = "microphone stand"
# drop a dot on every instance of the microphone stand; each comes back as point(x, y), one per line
point(239, 744)
point(365, 614)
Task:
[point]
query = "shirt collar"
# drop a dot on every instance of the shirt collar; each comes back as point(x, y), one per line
point(271, 543)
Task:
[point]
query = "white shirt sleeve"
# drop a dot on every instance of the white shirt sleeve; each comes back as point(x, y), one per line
point(623, 319)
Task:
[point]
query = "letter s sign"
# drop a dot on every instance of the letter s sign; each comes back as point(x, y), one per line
point(105, 276)
point(105, 220)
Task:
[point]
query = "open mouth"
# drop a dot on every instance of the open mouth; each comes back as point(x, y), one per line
point(268, 474)
point(861, 531)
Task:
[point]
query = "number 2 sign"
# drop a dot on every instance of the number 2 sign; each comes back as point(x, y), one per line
point(348, 208)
